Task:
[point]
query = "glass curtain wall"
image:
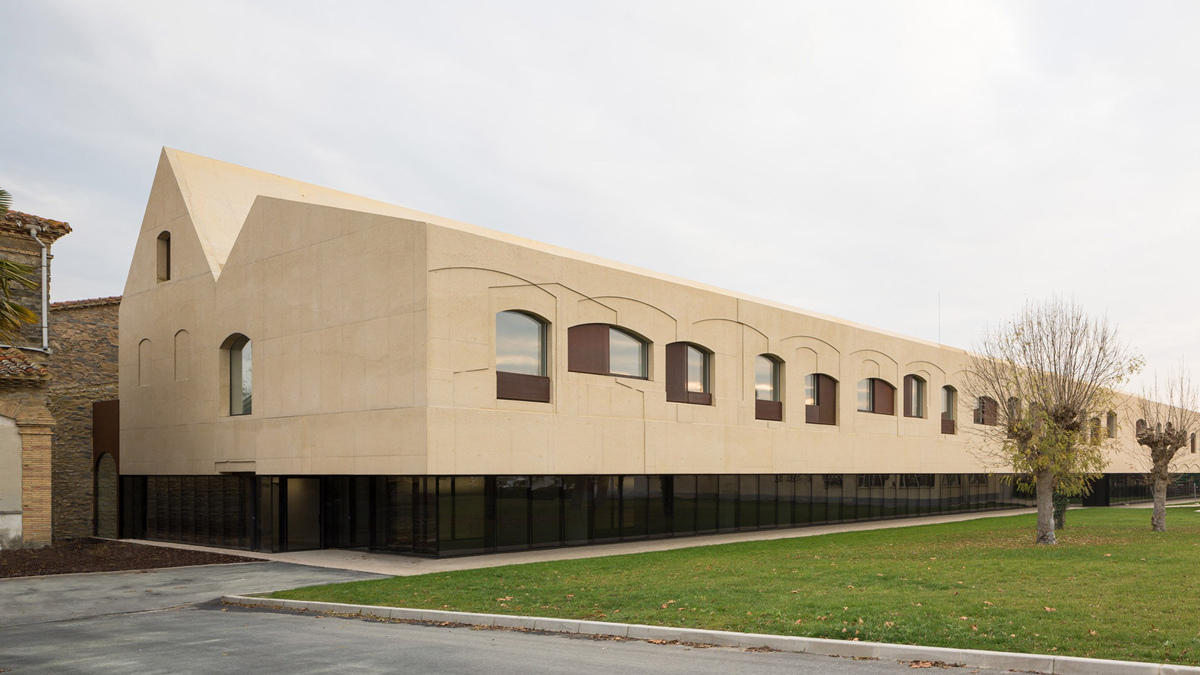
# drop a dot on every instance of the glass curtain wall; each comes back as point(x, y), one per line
point(462, 515)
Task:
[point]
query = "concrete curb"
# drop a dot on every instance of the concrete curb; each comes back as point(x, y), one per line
point(971, 658)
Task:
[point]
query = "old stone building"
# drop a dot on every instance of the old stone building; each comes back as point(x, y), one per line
point(26, 424)
point(83, 343)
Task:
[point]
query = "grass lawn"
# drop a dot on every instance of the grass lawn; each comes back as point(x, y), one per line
point(1111, 588)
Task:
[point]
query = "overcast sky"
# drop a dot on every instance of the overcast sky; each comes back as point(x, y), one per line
point(854, 159)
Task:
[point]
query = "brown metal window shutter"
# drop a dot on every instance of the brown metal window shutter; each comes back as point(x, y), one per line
point(677, 372)
point(987, 411)
point(827, 398)
point(908, 403)
point(885, 397)
point(768, 410)
point(587, 348)
point(521, 387)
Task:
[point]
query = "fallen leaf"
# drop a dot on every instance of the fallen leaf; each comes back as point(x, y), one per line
point(1050, 609)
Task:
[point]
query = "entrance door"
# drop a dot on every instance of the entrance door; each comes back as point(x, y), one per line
point(303, 514)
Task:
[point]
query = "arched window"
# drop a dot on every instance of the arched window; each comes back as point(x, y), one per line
point(144, 356)
point(627, 354)
point(876, 396)
point(768, 399)
point(521, 357)
point(689, 373)
point(987, 411)
point(1140, 427)
point(164, 256)
point(914, 396)
point(820, 399)
point(241, 370)
point(949, 406)
point(1013, 409)
point(1112, 425)
point(602, 349)
point(1192, 443)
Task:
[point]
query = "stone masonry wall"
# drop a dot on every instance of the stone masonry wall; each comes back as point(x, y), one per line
point(83, 338)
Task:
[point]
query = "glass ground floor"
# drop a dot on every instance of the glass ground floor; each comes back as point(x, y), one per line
point(461, 515)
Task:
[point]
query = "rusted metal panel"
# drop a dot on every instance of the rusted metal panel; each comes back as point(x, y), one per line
point(885, 397)
point(826, 399)
point(908, 402)
point(587, 348)
point(521, 387)
point(768, 410)
point(677, 372)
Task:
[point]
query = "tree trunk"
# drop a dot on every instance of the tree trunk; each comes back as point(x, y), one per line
point(1045, 507)
point(1158, 521)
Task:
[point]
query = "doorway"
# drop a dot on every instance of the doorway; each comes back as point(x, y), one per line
point(303, 530)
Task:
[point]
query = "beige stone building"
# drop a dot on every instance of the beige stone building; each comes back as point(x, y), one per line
point(301, 367)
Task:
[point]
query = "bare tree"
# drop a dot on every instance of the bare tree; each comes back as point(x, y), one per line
point(1038, 378)
point(1167, 423)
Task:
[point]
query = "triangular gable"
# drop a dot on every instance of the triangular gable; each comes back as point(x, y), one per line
point(219, 195)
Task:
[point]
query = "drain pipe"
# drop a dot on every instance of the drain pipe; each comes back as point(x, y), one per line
point(33, 232)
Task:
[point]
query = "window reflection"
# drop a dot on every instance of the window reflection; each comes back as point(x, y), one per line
point(626, 354)
point(697, 370)
point(766, 378)
point(520, 344)
point(240, 376)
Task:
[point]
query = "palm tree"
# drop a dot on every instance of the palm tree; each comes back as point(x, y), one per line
point(13, 316)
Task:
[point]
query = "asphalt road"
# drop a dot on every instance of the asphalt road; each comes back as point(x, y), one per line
point(180, 628)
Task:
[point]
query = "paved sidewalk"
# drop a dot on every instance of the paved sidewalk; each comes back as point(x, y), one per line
point(402, 565)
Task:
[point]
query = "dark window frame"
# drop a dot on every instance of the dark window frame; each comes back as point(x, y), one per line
point(678, 365)
point(513, 386)
point(881, 396)
point(949, 410)
point(987, 411)
point(589, 350)
point(823, 390)
point(911, 382)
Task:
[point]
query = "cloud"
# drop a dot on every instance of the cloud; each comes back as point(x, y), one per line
point(853, 159)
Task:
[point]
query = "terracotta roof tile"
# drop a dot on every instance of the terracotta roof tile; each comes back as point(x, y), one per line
point(18, 223)
point(15, 366)
point(89, 302)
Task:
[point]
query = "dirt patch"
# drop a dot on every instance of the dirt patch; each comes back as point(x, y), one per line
point(95, 555)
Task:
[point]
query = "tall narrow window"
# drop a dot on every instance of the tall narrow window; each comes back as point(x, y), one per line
point(697, 370)
point(607, 350)
point(164, 256)
point(949, 406)
point(876, 396)
point(820, 399)
point(241, 385)
point(521, 357)
point(767, 399)
point(1192, 443)
point(914, 396)
point(1112, 425)
point(689, 374)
